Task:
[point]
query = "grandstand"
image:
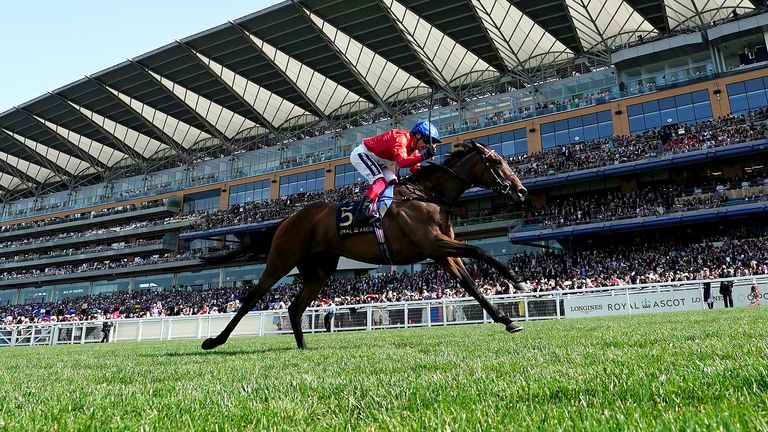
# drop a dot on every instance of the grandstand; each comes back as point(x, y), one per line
point(640, 124)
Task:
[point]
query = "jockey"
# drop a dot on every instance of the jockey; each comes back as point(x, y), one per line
point(406, 149)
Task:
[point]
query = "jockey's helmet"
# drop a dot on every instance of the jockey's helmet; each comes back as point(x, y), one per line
point(427, 130)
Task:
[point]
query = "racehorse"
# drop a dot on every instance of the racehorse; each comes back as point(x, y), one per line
point(417, 227)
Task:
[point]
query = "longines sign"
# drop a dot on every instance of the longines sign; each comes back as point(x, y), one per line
point(652, 301)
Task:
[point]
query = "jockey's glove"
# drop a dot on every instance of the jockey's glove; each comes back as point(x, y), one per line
point(427, 152)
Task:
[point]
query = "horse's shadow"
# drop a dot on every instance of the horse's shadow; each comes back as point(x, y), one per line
point(227, 353)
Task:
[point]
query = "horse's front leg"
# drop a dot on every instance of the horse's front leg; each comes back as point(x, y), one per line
point(444, 246)
point(455, 267)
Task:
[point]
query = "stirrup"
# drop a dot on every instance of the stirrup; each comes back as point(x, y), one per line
point(365, 218)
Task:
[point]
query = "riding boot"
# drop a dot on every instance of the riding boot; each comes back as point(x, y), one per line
point(363, 215)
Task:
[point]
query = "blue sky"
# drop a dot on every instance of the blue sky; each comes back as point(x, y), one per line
point(46, 44)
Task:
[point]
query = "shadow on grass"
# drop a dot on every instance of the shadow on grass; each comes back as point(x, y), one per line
point(224, 353)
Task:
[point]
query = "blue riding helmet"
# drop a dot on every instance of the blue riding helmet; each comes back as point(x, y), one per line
point(427, 129)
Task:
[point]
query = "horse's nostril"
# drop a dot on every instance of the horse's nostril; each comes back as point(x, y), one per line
point(522, 191)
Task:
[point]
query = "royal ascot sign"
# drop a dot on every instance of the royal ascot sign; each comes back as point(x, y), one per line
point(634, 303)
point(652, 300)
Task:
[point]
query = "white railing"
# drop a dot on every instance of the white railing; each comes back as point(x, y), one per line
point(623, 300)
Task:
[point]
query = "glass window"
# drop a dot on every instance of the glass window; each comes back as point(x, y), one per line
point(634, 110)
point(756, 99)
point(35, 295)
point(346, 174)
point(8, 297)
point(685, 108)
point(735, 88)
point(575, 122)
point(651, 106)
point(505, 143)
point(685, 114)
point(101, 287)
point(205, 201)
point(63, 292)
point(153, 283)
point(521, 147)
point(562, 137)
point(309, 181)
point(638, 123)
point(591, 132)
point(589, 119)
point(605, 130)
point(739, 104)
point(249, 192)
point(700, 96)
point(581, 128)
point(666, 103)
point(194, 281)
point(234, 276)
point(754, 84)
point(668, 117)
point(703, 111)
point(652, 120)
point(547, 141)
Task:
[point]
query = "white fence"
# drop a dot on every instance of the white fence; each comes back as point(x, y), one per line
point(625, 300)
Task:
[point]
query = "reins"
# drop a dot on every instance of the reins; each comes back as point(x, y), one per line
point(429, 196)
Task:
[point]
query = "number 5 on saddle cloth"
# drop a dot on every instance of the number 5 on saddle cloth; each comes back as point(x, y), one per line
point(345, 214)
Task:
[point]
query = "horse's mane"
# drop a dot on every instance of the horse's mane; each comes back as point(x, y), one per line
point(429, 169)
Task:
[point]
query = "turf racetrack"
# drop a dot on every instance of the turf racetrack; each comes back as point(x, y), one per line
point(686, 371)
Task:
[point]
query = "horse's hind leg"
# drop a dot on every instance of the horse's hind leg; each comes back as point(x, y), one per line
point(455, 267)
point(315, 270)
point(278, 265)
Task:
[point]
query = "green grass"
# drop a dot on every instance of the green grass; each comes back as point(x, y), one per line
point(687, 371)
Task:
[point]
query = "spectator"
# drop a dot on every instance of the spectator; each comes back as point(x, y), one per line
point(106, 330)
point(330, 313)
point(726, 290)
point(754, 294)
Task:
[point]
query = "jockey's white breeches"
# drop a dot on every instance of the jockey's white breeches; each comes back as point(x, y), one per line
point(370, 165)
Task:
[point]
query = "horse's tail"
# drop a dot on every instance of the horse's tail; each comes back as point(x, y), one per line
point(254, 246)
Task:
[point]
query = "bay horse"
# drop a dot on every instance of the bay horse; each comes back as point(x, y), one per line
point(416, 225)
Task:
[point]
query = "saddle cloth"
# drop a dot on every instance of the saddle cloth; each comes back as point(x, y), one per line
point(347, 209)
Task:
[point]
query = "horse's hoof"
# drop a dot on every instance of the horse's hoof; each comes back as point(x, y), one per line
point(514, 327)
point(209, 344)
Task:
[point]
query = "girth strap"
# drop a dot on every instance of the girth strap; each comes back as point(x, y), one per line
point(381, 241)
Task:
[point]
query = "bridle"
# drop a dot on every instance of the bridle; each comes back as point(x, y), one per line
point(501, 186)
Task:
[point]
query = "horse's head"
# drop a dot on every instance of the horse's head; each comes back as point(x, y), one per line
point(492, 171)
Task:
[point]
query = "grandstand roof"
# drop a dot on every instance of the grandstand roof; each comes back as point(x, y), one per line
point(269, 75)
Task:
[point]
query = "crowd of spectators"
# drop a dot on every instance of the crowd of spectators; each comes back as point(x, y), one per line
point(260, 211)
point(81, 216)
point(650, 144)
point(91, 266)
point(631, 264)
point(744, 253)
point(652, 200)
point(102, 231)
point(124, 304)
point(35, 256)
point(653, 143)
point(529, 111)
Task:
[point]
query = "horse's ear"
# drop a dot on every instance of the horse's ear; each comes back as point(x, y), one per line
point(469, 144)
